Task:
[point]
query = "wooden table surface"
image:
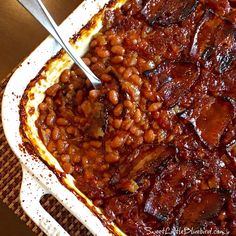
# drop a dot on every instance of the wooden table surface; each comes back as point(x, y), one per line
point(19, 35)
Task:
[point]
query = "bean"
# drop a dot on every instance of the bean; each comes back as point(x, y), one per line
point(77, 119)
point(43, 106)
point(61, 146)
point(101, 40)
point(93, 43)
point(118, 110)
point(86, 108)
point(74, 76)
point(65, 157)
point(133, 38)
point(136, 131)
point(88, 173)
point(92, 154)
point(149, 136)
point(117, 49)
point(65, 76)
point(55, 133)
point(149, 95)
point(128, 104)
point(178, 130)
point(78, 72)
point(117, 59)
point(113, 97)
point(87, 61)
point(155, 125)
point(98, 67)
point(127, 73)
point(85, 145)
point(131, 61)
point(117, 123)
point(129, 140)
point(72, 130)
point(126, 124)
point(94, 59)
point(233, 150)
point(41, 120)
point(105, 167)
point(96, 144)
point(112, 157)
point(46, 134)
point(106, 78)
point(116, 40)
point(154, 106)
point(68, 114)
point(94, 94)
point(121, 69)
point(117, 142)
point(135, 70)
point(102, 52)
point(68, 168)
point(139, 140)
point(62, 121)
point(64, 135)
point(52, 91)
point(98, 202)
point(79, 97)
point(88, 83)
point(50, 119)
point(136, 80)
point(51, 146)
point(76, 158)
point(137, 116)
point(145, 125)
point(72, 149)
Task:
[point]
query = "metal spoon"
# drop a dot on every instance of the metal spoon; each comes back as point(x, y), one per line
point(39, 11)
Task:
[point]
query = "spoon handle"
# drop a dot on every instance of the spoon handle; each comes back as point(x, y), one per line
point(39, 11)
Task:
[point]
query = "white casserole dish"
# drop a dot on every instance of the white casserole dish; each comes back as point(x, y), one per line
point(38, 179)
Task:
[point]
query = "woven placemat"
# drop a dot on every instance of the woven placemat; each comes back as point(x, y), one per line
point(10, 182)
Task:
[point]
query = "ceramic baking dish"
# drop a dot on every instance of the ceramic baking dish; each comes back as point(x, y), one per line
point(40, 71)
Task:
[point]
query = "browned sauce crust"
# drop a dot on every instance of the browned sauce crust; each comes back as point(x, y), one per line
point(155, 148)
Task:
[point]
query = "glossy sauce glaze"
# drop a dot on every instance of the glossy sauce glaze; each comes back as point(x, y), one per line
point(155, 148)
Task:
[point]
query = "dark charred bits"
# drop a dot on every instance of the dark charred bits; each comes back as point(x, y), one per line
point(167, 13)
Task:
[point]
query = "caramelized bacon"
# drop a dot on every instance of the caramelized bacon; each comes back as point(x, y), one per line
point(203, 42)
point(168, 191)
point(165, 14)
point(147, 159)
point(229, 79)
point(214, 40)
point(174, 80)
point(210, 119)
point(201, 206)
point(220, 7)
